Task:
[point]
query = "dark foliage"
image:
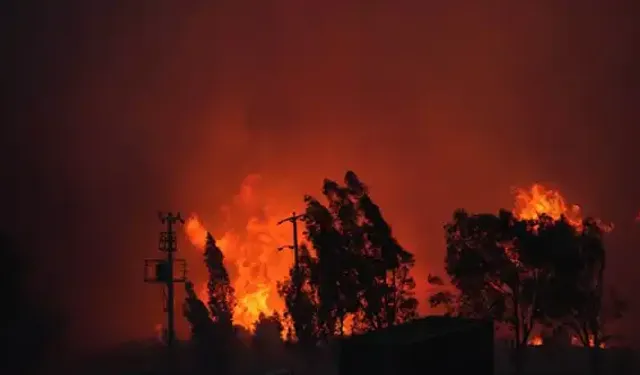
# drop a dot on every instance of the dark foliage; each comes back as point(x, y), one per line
point(212, 330)
point(203, 335)
point(359, 269)
point(267, 331)
point(526, 273)
point(220, 292)
point(301, 302)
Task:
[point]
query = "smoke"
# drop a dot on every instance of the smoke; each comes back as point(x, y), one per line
point(436, 106)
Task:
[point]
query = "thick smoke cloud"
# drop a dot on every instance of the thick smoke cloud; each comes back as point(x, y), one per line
point(124, 108)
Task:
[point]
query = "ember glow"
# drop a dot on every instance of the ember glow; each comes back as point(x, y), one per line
point(249, 242)
point(535, 341)
point(577, 342)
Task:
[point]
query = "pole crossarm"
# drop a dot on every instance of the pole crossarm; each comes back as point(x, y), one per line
point(293, 219)
point(163, 271)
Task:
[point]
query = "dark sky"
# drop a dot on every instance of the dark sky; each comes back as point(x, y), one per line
point(121, 108)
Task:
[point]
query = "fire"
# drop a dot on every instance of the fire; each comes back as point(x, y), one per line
point(159, 332)
point(250, 245)
point(577, 342)
point(532, 203)
point(535, 341)
point(538, 200)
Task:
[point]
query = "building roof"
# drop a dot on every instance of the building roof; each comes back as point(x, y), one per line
point(419, 330)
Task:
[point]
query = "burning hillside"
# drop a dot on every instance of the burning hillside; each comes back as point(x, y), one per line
point(249, 237)
point(250, 240)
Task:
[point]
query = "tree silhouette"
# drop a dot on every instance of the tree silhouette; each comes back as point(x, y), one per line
point(301, 302)
point(526, 272)
point(219, 290)
point(576, 296)
point(494, 263)
point(358, 268)
point(267, 331)
point(390, 263)
point(336, 258)
point(202, 328)
point(212, 324)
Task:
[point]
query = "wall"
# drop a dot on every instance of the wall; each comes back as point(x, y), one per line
point(549, 360)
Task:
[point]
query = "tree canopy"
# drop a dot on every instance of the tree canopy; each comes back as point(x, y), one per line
point(355, 269)
point(525, 273)
point(212, 324)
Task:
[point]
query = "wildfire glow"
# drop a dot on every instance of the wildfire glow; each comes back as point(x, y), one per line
point(530, 204)
point(538, 200)
point(158, 330)
point(577, 342)
point(535, 341)
point(250, 246)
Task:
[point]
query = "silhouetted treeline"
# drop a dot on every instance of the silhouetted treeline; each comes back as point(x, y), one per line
point(354, 270)
point(353, 276)
point(529, 273)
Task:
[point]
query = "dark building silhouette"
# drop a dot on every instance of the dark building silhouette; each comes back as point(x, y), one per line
point(435, 344)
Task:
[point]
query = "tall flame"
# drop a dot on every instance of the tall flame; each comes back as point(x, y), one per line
point(250, 247)
point(531, 203)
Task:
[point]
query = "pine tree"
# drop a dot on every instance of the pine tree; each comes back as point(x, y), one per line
point(212, 330)
point(197, 314)
point(202, 328)
point(220, 292)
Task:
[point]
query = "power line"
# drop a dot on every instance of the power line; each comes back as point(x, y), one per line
point(293, 219)
point(163, 271)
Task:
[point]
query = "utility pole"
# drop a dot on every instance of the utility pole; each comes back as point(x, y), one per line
point(163, 271)
point(293, 219)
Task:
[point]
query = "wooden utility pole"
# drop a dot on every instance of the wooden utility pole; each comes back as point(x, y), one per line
point(293, 219)
point(163, 271)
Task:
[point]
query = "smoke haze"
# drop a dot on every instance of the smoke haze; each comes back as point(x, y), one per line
point(123, 108)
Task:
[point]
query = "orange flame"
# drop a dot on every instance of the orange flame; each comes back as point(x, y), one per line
point(577, 342)
point(250, 247)
point(535, 341)
point(532, 203)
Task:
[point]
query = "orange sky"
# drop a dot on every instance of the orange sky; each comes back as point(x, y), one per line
point(136, 108)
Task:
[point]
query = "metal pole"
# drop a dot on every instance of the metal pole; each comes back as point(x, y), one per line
point(170, 248)
point(295, 242)
point(170, 291)
point(294, 220)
